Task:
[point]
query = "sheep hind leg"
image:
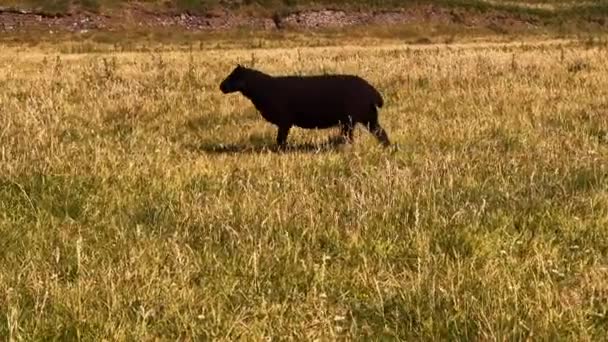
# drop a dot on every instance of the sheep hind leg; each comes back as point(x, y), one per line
point(379, 132)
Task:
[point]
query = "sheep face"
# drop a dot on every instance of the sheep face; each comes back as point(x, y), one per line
point(234, 82)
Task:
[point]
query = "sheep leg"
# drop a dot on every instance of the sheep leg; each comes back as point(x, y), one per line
point(347, 132)
point(379, 132)
point(282, 136)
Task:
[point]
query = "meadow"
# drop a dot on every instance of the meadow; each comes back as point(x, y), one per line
point(139, 203)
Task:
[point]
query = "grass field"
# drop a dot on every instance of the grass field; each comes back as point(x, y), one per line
point(138, 202)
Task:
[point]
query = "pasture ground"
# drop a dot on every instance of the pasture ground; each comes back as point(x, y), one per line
point(137, 202)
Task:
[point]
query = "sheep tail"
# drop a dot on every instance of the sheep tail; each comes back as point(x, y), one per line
point(378, 101)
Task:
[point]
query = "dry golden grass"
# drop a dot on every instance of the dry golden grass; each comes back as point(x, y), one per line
point(137, 202)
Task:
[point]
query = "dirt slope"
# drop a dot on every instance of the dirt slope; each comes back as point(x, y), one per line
point(222, 19)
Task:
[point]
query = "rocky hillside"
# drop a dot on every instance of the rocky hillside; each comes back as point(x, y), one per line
point(86, 15)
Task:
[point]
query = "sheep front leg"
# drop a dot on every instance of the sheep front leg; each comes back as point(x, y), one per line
point(282, 136)
point(347, 132)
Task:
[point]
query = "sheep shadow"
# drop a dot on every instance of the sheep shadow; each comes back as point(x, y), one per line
point(258, 147)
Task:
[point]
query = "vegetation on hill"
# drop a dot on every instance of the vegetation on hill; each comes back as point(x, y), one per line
point(539, 7)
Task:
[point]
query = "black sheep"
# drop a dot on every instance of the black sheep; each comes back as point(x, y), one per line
point(310, 101)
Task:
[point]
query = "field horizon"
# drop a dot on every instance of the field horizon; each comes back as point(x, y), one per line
point(139, 203)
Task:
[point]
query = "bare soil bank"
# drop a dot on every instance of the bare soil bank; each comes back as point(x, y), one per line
point(13, 20)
